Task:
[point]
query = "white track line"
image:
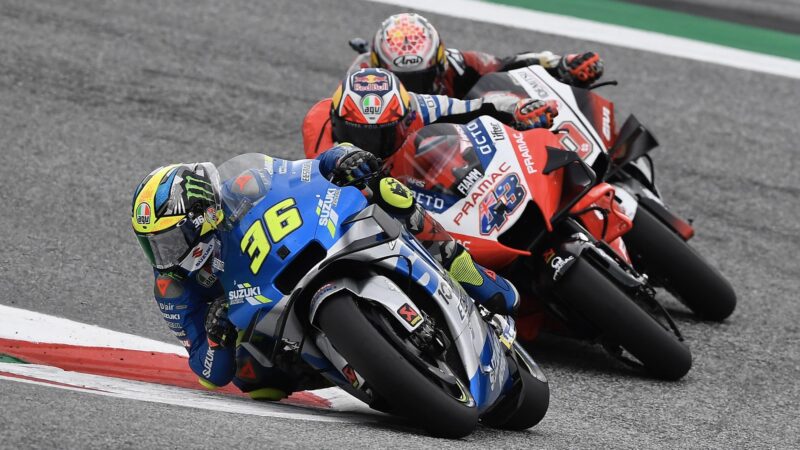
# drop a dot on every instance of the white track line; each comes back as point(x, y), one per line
point(346, 412)
point(600, 32)
point(24, 325)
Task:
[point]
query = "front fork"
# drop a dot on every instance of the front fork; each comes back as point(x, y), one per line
point(576, 243)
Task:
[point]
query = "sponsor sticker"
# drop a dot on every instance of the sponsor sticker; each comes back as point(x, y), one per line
point(350, 375)
point(409, 314)
point(404, 61)
point(370, 83)
point(478, 190)
point(558, 264)
point(327, 216)
point(143, 214)
point(218, 265)
point(305, 171)
point(246, 292)
point(205, 277)
point(371, 105)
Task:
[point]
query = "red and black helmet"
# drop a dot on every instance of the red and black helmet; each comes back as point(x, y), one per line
point(367, 109)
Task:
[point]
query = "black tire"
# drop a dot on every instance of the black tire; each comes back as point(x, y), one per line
point(684, 273)
point(394, 378)
point(533, 407)
point(621, 321)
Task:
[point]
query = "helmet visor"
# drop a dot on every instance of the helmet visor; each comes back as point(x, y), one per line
point(378, 140)
point(419, 81)
point(169, 248)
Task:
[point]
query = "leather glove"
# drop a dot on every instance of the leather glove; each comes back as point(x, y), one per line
point(530, 113)
point(581, 69)
point(219, 330)
point(355, 165)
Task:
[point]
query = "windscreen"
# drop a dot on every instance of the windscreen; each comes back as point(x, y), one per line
point(245, 180)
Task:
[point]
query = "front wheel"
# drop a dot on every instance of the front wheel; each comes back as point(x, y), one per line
point(396, 380)
point(529, 402)
point(620, 320)
point(684, 273)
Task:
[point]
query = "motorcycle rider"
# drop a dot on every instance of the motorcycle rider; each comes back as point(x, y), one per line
point(372, 109)
point(408, 45)
point(177, 217)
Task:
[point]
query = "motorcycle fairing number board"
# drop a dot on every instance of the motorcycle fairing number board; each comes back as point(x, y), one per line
point(579, 135)
point(496, 201)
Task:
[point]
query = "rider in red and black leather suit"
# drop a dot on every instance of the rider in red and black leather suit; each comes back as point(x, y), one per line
point(408, 45)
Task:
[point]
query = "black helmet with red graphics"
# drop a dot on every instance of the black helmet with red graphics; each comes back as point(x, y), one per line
point(367, 109)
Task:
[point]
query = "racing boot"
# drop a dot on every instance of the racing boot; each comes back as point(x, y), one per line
point(259, 382)
point(488, 289)
point(484, 286)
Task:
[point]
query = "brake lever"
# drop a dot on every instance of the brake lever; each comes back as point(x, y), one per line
point(604, 83)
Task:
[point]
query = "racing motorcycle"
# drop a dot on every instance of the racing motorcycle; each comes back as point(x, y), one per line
point(657, 242)
point(335, 291)
point(515, 200)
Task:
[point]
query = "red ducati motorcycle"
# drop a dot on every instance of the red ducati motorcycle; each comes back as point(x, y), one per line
point(522, 204)
point(657, 242)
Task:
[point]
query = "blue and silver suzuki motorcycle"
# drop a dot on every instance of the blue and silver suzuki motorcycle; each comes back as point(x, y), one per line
point(328, 287)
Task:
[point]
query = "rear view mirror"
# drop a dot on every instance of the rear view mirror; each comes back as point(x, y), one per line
point(359, 45)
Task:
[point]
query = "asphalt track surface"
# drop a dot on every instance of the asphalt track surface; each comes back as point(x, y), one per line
point(94, 95)
point(778, 15)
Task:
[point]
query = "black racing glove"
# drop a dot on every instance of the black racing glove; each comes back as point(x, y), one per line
point(219, 330)
point(355, 165)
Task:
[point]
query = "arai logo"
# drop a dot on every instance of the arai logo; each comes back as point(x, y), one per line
point(371, 105)
point(143, 214)
point(407, 60)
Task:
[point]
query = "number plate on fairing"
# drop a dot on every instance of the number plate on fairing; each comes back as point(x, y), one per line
point(580, 136)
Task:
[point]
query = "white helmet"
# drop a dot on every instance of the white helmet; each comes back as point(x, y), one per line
point(408, 45)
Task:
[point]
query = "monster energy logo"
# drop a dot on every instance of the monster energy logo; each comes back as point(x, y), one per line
point(198, 188)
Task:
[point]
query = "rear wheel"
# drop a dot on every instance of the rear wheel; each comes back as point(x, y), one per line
point(396, 380)
point(670, 260)
point(621, 321)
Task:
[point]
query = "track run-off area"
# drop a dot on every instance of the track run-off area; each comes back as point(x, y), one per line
point(94, 95)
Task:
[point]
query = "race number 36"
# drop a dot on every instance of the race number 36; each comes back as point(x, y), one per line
point(278, 221)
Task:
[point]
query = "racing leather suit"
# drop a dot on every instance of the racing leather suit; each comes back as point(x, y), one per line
point(184, 300)
point(465, 68)
point(424, 110)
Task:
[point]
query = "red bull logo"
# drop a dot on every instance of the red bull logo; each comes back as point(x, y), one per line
point(370, 83)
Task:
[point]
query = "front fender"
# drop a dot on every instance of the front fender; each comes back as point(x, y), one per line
point(558, 261)
point(379, 290)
